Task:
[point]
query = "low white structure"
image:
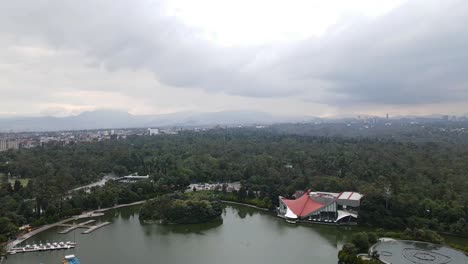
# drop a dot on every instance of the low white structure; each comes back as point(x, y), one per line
point(232, 186)
point(153, 131)
point(133, 178)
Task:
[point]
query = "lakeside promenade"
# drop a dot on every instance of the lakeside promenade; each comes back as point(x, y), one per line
point(95, 213)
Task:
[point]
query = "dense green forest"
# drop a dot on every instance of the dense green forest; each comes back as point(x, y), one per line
point(406, 184)
point(177, 208)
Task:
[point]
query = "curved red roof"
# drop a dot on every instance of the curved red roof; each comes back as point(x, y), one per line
point(303, 206)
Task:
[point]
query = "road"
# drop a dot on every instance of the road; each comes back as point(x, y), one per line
point(101, 182)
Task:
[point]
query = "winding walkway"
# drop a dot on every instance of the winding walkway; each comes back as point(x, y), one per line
point(245, 204)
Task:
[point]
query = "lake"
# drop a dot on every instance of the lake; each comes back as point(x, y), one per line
point(245, 235)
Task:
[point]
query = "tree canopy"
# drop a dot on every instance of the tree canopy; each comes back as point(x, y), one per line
point(420, 184)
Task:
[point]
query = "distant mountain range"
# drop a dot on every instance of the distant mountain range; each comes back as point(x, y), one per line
point(117, 119)
point(102, 119)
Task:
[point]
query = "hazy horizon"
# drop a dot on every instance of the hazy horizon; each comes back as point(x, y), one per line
point(236, 111)
point(290, 58)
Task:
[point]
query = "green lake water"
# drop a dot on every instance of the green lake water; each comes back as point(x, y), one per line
point(245, 235)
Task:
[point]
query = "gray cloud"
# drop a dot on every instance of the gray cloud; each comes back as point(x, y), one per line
point(127, 34)
point(414, 55)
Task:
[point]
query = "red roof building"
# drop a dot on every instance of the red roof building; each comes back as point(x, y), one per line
point(321, 207)
point(303, 206)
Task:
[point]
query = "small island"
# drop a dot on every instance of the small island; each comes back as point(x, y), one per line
point(180, 208)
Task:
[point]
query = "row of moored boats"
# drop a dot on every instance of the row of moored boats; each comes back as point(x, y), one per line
point(43, 247)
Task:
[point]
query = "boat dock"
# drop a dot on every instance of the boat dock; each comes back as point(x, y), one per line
point(90, 228)
point(41, 247)
point(26, 236)
point(75, 226)
point(95, 228)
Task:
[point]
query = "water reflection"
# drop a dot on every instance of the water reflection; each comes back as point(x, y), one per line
point(241, 213)
point(245, 235)
point(127, 214)
point(151, 229)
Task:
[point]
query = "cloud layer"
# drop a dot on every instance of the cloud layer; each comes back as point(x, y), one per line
point(133, 55)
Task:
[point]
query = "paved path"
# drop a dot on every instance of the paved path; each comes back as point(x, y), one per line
point(26, 236)
point(245, 204)
point(119, 206)
point(101, 182)
point(94, 213)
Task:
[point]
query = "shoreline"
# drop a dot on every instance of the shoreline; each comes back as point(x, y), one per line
point(34, 232)
point(95, 213)
point(245, 204)
point(100, 212)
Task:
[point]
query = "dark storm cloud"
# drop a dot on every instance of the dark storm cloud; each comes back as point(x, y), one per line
point(417, 54)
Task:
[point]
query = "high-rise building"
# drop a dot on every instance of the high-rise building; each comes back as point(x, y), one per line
point(13, 144)
point(3, 144)
point(6, 144)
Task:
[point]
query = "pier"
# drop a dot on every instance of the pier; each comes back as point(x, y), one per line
point(90, 228)
point(20, 239)
point(95, 228)
point(26, 236)
point(75, 226)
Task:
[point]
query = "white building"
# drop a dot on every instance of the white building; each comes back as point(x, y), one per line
point(6, 144)
point(153, 131)
point(133, 178)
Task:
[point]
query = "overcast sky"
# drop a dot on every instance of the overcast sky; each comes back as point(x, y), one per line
point(298, 57)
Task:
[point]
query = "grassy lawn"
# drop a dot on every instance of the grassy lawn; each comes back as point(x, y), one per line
point(24, 182)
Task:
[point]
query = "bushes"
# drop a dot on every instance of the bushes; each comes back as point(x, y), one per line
point(181, 209)
point(7, 227)
point(361, 242)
